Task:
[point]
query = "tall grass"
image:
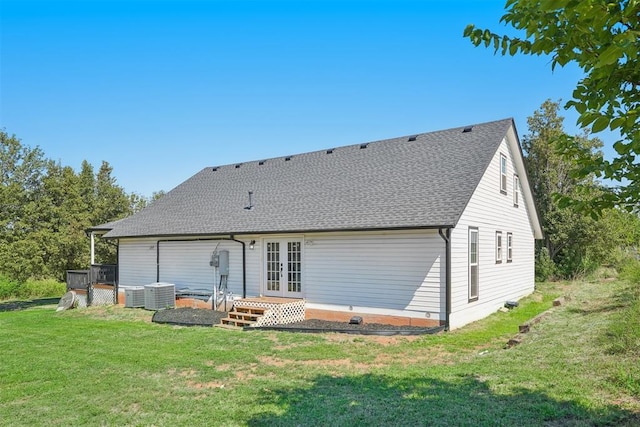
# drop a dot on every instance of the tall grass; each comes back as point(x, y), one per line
point(624, 333)
point(30, 289)
point(623, 336)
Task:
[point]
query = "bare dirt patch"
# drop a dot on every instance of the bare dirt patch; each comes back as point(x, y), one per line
point(435, 355)
point(392, 340)
point(273, 361)
point(206, 386)
point(324, 363)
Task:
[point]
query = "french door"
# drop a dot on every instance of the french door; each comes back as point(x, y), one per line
point(283, 268)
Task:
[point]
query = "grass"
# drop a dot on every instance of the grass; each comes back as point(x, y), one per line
point(112, 366)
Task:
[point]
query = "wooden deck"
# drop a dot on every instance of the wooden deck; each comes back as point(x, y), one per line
point(265, 311)
point(269, 300)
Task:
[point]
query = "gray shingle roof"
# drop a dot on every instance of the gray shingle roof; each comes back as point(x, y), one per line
point(394, 183)
point(104, 227)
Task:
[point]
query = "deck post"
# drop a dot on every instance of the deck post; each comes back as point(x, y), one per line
point(93, 248)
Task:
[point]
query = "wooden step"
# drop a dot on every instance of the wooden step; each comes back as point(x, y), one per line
point(236, 322)
point(243, 316)
point(251, 310)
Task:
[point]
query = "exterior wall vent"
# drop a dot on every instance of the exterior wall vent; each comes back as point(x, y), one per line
point(467, 129)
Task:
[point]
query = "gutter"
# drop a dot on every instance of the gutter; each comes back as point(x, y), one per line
point(230, 238)
point(445, 233)
point(199, 236)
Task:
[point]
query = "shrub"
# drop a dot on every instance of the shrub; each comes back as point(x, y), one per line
point(44, 288)
point(630, 270)
point(545, 267)
point(8, 287)
point(30, 289)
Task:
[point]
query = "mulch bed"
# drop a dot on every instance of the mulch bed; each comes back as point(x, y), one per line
point(203, 317)
point(317, 325)
point(189, 317)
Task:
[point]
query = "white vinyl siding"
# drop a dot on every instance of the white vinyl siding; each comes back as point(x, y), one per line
point(489, 211)
point(136, 262)
point(374, 272)
point(186, 264)
point(389, 271)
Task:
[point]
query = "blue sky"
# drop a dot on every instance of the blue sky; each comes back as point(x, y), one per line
point(161, 89)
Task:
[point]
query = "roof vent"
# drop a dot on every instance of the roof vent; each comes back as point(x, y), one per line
point(330, 151)
point(412, 138)
point(238, 165)
point(261, 162)
point(286, 159)
point(363, 146)
point(250, 206)
point(214, 169)
point(467, 129)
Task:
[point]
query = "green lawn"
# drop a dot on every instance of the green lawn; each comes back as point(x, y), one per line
point(112, 366)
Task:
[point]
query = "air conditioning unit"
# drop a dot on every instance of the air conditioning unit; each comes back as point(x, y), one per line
point(159, 295)
point(134, 297)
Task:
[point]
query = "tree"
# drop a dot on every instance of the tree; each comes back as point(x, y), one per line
point(111, 203)
point(62, 231)
point(602, 38)
point(46, 207)
point(575, 242)
point(569, 231)
point(21, 172)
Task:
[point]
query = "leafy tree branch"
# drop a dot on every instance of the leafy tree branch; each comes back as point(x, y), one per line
point(602, 37)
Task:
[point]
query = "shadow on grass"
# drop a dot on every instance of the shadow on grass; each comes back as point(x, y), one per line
point(465, 401)
point(21, 305)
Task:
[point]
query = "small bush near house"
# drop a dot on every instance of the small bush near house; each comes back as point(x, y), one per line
point(30, 289)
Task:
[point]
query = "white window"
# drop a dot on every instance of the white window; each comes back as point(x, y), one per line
point(473, 264)
point(498, 246)
point(503, 173)
point(509, 247)
point(516, 190)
